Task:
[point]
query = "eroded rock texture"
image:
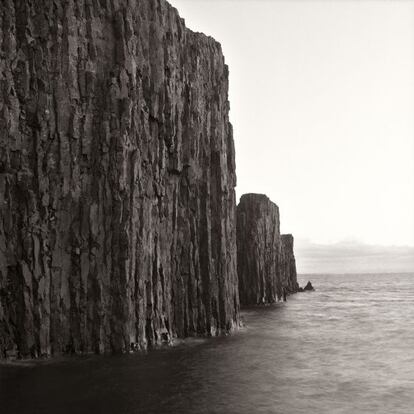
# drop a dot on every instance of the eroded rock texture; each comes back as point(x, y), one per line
point(117, 175)
point(265, 259)
point(287, 264)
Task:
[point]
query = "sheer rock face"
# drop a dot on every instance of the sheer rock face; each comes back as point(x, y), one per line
point(287, 264)
point(265, 260)
point(258, 244)
point(117, 176)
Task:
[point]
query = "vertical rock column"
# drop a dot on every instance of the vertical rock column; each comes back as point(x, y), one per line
point(258, 245)
point(287, 264)
point(117, 176)
point(265, 260)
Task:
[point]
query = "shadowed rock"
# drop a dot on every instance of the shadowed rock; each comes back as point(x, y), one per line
point(287, 264)
point(265, 259)
point(308, 287)
point(117, 176)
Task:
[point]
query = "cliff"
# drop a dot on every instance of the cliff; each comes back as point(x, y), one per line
point(117, 176)
point(287, 264)
point(265, 259)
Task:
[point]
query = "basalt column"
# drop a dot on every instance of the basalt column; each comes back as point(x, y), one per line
point(258, 243)
point(265, 261)
point(287, 264)
point(117, 176)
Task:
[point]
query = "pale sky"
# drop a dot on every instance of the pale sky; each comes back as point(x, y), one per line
point(322, 104)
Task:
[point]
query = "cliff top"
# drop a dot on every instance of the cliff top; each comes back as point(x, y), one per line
point(287, 239)
point(201, 35)
point(255, 196)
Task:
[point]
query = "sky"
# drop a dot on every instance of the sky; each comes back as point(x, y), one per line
point(322, 105)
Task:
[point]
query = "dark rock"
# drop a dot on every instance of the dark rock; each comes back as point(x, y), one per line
point(117, 176)
point(308, 287)
point(265, 260)
point(258, 241)
point(287, 264)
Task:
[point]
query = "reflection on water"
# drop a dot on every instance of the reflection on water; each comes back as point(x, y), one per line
point(346, 348)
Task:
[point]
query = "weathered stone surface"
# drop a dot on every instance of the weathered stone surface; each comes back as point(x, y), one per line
point(258, 243)
point(117, 176)
point(265, 259)
point(287, 264)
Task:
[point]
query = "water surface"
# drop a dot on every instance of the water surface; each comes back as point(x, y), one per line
point(346, 348)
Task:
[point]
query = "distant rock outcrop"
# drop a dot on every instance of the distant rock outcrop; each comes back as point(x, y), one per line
point(287, 264)
point(265, 260)
point(258, 245)
point(117, 176)
point(308, 287)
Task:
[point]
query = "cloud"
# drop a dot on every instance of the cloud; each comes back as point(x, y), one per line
point(353, 257)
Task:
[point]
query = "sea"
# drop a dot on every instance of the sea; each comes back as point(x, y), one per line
point(347, 347)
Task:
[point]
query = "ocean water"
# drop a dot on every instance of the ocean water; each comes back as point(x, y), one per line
point(347, 348)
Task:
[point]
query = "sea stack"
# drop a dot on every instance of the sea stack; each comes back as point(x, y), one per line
point(265, 259)
point(287, 264)
point(117, 176)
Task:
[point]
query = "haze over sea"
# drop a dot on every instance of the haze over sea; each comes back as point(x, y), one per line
point(348, 347)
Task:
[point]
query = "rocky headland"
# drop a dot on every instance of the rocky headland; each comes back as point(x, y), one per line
point(117, 176)
point(117, 184)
